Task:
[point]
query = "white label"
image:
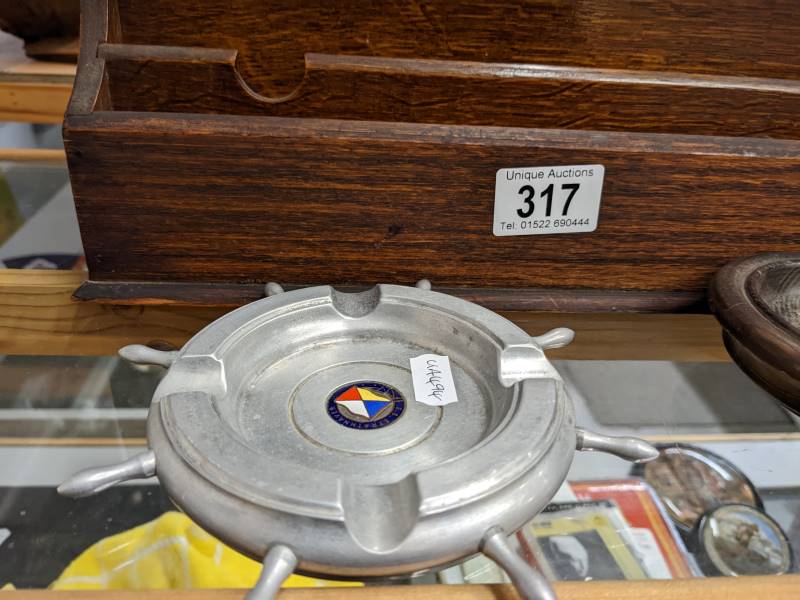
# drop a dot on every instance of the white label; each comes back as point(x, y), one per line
point(4, 535)
point(542, 200)
point(433, 380)
point(649, 553)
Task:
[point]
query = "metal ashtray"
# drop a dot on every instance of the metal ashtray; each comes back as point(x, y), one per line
point(251, 434)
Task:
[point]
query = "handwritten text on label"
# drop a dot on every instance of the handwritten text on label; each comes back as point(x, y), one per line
point(433, 380)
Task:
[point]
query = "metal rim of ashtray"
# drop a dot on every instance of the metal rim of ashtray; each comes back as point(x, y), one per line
point(289, 429)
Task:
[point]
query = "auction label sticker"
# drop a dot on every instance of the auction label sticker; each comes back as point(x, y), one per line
point(433, 380)
point(543, 200)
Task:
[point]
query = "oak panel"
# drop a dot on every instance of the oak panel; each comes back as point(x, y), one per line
point(716, 588)
point(39, 316)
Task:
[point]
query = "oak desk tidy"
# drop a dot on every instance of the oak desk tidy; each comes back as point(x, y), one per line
point(214, 146)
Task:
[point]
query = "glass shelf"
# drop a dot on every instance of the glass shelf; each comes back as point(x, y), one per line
point(59, 414)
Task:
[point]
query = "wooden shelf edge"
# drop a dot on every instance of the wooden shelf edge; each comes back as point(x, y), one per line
point(784, 587)
point(38, 316)
point(689, 438)
point(73, 442)
point(33, 102)
point(14, 278)
point(33, 155)
point(532, 299)
point(24, 69)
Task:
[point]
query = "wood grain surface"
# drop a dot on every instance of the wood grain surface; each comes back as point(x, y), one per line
point(34, 20)
point(756, 301)
point(458, 92)
point(358, 142)
point(784, 587)
point(304, 201)
point(537, 299)
point(737, 38)
point(39, 316)
point(33, 102)
point(30, 90)
point(33, 155)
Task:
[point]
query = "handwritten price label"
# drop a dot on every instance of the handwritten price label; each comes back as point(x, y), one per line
point(433, 380)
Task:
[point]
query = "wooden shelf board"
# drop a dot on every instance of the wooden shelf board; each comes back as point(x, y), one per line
point(33, 155)
point(784, 587)
point(20, 67)
point(689, 438)
point(33, 102)
point(34, 91)
point(38, 316)
point(631, 336)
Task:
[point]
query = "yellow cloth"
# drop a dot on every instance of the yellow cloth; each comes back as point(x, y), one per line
point(169, 552)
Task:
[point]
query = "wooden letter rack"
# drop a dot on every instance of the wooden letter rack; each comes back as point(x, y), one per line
point(217, 145)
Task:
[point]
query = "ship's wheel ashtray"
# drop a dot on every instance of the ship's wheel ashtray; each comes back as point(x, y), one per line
point(290, 430)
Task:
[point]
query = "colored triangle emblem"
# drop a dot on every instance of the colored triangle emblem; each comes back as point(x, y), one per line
point(365, 405)
point(350, 393)
point(368, 394)
point(356, 407)
point(374, 406)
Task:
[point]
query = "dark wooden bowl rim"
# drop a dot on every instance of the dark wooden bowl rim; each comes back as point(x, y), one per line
point(734, 299)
